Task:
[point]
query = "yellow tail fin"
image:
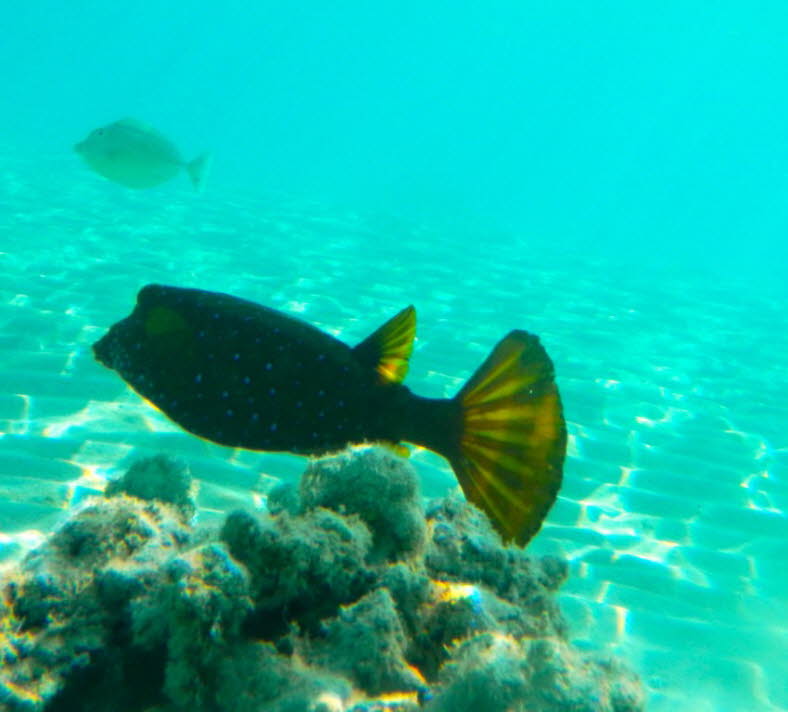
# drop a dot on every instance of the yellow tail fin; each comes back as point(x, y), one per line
point(513, 437)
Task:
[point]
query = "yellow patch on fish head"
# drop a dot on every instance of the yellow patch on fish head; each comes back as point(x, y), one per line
point(163, 320)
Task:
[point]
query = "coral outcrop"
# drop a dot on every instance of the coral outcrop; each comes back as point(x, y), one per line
point(346, 596)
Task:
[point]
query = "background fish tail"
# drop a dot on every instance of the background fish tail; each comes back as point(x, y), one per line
point(198, 170)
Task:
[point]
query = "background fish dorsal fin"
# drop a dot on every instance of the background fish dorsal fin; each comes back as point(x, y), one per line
point(130, 123)
point(388, 349)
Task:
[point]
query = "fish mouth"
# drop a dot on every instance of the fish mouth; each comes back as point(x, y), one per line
point(120, 345)
point(102, 350)
point(110, 350)
point(79, 147)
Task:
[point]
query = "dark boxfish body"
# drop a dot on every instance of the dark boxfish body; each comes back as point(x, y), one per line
point(243, 375)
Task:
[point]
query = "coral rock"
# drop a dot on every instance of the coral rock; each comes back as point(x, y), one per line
point(346, 599)
point(382, 489)
point(367, 642)
point(159, 478)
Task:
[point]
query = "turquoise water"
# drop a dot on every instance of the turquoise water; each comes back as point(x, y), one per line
point(610, 178)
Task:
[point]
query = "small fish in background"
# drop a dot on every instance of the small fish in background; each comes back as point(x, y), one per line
point(136, 155)
point(243, 375)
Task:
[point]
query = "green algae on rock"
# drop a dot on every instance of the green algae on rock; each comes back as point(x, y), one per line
point(311, 609)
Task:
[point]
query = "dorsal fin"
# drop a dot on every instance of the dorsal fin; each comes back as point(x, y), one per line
point(388, 349)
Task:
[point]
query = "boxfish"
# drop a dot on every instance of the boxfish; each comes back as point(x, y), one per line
point(247, 376)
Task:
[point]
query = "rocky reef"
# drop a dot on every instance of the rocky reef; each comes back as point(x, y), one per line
point(346, 596)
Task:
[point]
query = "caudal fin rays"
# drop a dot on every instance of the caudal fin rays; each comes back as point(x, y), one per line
point(513, 437)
